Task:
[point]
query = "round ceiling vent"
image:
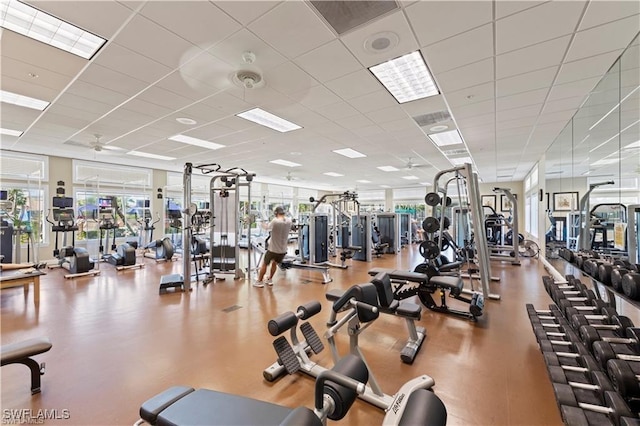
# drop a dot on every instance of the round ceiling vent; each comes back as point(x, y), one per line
point(439, 128)
point(381, 42)
point(248, 79)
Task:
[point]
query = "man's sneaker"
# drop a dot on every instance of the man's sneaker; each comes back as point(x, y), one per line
point(258, 284)
point(269, 281)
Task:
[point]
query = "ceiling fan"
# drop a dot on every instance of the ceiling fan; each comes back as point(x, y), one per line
point(96, 145)
point(411, 165)
point(289, 177)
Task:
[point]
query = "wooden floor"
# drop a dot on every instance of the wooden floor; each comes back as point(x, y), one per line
point(116, 343)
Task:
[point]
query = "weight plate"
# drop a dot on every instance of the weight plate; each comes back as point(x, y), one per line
point(447, 202)
point(431, 224)
point(432, 199)
point(429, 250)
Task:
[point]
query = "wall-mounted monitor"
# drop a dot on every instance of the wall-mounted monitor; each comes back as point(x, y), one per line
point(62, 202)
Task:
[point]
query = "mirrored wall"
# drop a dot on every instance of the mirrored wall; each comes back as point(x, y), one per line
point(600, 148)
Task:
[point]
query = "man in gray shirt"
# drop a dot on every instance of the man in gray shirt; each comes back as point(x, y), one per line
point(279, 227)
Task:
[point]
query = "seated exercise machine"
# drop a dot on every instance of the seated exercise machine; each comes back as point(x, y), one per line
point(386, 304)
point(357, 306)
point(122, 256)
point(335, 392)
point(22, 353)
point(75, 259)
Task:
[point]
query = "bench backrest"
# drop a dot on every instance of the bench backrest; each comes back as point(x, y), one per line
point(382, 281)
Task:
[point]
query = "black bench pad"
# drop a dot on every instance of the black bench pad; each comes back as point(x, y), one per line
point(396, 274)
point(409, 310)
point(403, 309)
point(151, 408)
point(13, 352)
point(424, 407)
point(447, 282)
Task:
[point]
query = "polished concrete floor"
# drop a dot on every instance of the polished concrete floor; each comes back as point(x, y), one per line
point(116, 343)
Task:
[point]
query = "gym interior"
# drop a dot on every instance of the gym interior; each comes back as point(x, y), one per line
point(460, 178)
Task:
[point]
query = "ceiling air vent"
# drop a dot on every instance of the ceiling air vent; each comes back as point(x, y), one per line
point(433, 118)
point(455, 152)
point(344, 16)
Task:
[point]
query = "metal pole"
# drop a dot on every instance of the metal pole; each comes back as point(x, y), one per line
point(186, 244)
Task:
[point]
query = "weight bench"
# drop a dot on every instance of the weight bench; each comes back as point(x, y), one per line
point(426, 286)
point(388, 305)
point(292, 262)
point(21, 353)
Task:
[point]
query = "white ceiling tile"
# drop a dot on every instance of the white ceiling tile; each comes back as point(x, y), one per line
point(523, 29)
point(355, 122)
point(159, 96)
point(78, 102)
point(19, 70)
point(92, 91)
point(264, 97)
point(108, 78)
point(373, 101)
point(480, 120)
point(246, 11)
point(123, 60)
point(558, 116)
point(575, 88)
point(532, 97)
point(142, 107)
point(338, 110)
point(35, 91)
point(602, 39)
point(328, 62)
point(525, 82)
point(155, 42)
point(386, 115)
point(192, 20)
point(60, 109)
point(466, 76)
point(472, 110)
point(186, 86)
point(398, 125)
point(355, 84)
point(506, 8)
point(227, 103)
point(433, 21)
point(355, 41)
point(19, 115)
point(563, 104)
point(460, 50)
point(288, 78)
point(531, 58)
point(479, 93)
point(231, 51)
point(594, 66)
point(425, 106)
point(365, 132)
point(600, 12)
point(209, 131)
point(316, 97)
point(515, 127)
point(287, 38)
point(512, 114)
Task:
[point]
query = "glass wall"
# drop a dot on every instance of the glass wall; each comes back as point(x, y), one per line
point(599, 149)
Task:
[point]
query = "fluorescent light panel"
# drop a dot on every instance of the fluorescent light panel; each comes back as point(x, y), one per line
point(149, 155)
point(334, 174)
point(385, 186)
point(285, 163)
point(406, 78)
point(10, 132)
point(264, 118)
point(451, 137)
point(24, 101)
point(348, 152)
point(411, 177)
point(388, 169)
point(41, 26)
point(363, 181)
point(425, 183)
point(196, 142)
point(460, 161)
point(605, 161)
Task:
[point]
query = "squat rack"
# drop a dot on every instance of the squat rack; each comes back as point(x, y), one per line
point(232, 180)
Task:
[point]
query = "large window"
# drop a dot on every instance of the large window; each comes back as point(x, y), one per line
point(531, 202)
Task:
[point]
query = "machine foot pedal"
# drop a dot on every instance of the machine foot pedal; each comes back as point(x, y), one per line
point(311, 337)
point(286, 355)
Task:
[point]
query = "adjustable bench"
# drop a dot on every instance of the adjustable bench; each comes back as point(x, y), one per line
point(21, 353)
point(293, 262)
point(388, 305)
point(426, 286)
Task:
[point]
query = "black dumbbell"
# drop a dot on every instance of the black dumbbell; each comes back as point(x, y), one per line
point(616, 277)
point(631, 285)
point(590, 334)
point(563, 347)
point(591, 306)
point(628, 351)
point(624, 377)
point(604, 319)
point(587, 381)
point(553, 331)
point(605, 270)
point(581, 362)
point(610, 406)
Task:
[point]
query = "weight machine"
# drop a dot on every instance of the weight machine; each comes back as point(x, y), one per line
point(500, 231)
point(584, 235)
point(633, 233)
point(389, 227)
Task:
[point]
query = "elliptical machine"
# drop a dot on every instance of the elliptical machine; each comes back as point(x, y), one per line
point(75, 259)
point(159, 250)
point(123, 255)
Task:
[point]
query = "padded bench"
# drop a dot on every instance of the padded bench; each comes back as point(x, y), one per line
point(454, 284)
point(21, 353)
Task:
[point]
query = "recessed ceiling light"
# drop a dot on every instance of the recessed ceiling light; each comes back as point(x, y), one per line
point(410, 177)
point(426, 183)
point(385, 186)
point(10, 132)
point(196, 142)
point(20, 100)
point(460, 161)
point(406, 78)
point(334, 174)
point(438, 128)
point(348, 152)
point(33, 75)
point(185, 120)
point(363, 181)
point(381, 42)
point(149, 155)
point(264, 118)
point(388, 168)
point(33, 23)
point(452, 137)
point(285, 163)
point(295, 153)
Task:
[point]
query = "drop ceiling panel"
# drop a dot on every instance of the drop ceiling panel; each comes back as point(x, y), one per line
point(563, 104)
point(581, 69)
point(398, 125)
point(460, 50)
point(515, 127)
point(201, 112)
point(246, 11)
point(479, 93)
point(480, 120)
point(35, 91)
point(532, 97)
point(19, 115)
point(386, 115)
point(107, 96)
point(434, 21)
point(123, 60)
point(355, 41)
point(186, 86)
point(355, 122)
point(424, 106)
point(466, 76)
point(532, 58)
point(512, 114)
point(231, 49)
point(328, 62)
point(525, 82)
point(602, 12)
point(105, 77)
point(316, 97)
point(523, 29)
point(287, 39)
point(153, 41)
point(506, 8)
point(353, 85)
point(575, 88)
point(78, 102)
point(159, 96)
point(288, 78)
point(472, 110)
point(191, 20)
point(71, 112)
point(555, 117)
point(373, 101)
point(151, 110)
point(209, 131)
point(366, 132)
point(19, 70)
point(101, 18)
point(602, 39)
point(227, 103)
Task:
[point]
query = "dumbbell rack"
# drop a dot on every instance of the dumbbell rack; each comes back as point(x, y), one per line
point(592, 356)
